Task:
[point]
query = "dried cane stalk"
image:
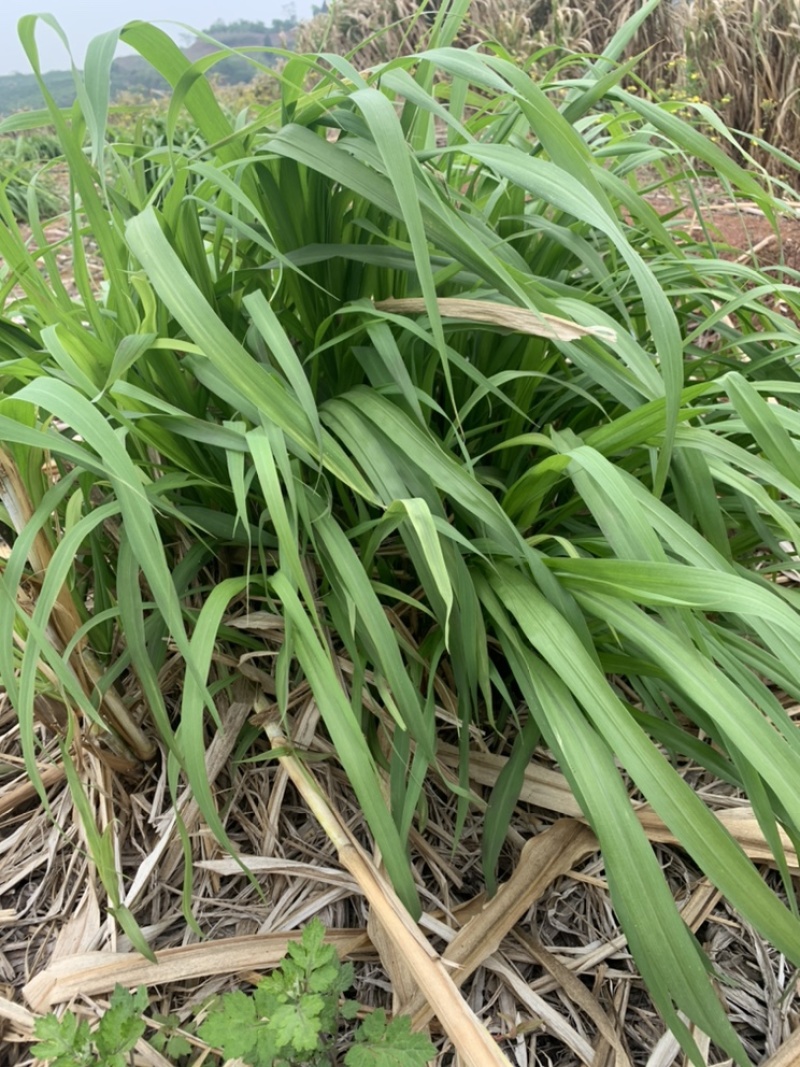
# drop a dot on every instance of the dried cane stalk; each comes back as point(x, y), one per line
point(66, 621)
point(472, 1041)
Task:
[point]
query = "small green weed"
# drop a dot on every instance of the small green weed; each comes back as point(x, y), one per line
point(292, 1017)
point(66, 1042)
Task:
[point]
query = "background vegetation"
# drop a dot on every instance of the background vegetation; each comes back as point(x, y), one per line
point(132, 76)
point(740, 57)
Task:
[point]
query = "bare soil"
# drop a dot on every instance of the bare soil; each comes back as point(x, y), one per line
point(741, 232)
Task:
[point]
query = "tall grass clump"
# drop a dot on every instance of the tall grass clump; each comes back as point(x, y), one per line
point(400, 390)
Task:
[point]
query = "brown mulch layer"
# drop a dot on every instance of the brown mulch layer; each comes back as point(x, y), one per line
point(559, 988)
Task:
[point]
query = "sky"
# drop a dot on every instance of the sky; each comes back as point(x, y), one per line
point(82, 20)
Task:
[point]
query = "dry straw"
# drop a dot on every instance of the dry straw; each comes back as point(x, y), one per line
point(739, 56)
point(520, 320)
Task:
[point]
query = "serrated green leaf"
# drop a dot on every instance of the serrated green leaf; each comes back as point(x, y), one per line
point(232, 1025)
point(66, 1041)
point(392, 1044)
point(324, 978)
point(269, 993)
point(177, 1045)
point(313, 944)
point(297, 1026)
point(121, 1025)
point(349, 1009)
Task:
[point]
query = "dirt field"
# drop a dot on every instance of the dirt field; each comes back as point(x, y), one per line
point(741, 231)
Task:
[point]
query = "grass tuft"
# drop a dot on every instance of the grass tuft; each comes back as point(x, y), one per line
point(406, 364)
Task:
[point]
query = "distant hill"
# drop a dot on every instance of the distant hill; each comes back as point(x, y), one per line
point(20, 92)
